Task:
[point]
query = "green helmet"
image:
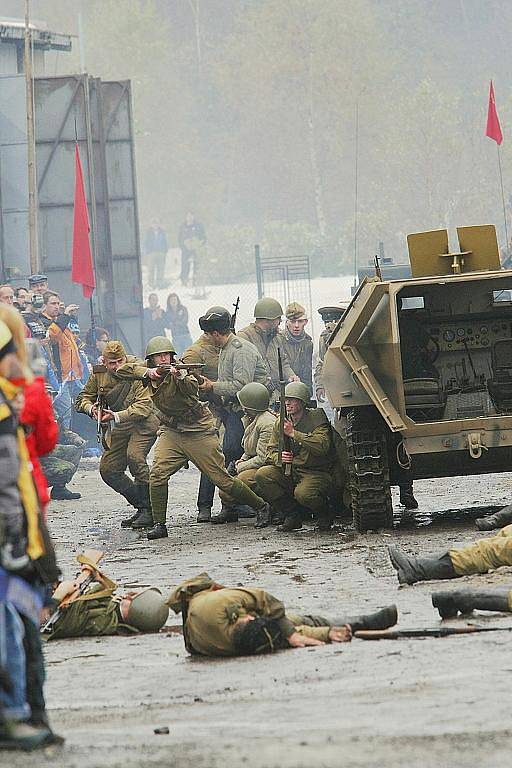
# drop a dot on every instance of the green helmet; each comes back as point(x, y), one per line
point(298, 390)
point(254, 397)
point(159, 344)
point(267, 309)
point(148, 611)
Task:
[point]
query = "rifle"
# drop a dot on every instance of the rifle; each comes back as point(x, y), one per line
point(284, 442)
point(235, 313)
point(398, 634)
point(192, 368)
point(100, 404)
point(85, 576)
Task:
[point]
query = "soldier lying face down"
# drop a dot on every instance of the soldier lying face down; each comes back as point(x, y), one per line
point(225, 621)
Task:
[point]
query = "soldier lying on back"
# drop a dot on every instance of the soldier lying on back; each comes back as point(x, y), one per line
point(100, 611)
point(225, 621)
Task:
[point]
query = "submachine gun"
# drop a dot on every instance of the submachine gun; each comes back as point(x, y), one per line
point(284, 441)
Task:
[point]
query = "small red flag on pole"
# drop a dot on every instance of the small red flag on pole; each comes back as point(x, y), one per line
point(493, 130)
point(82, 270)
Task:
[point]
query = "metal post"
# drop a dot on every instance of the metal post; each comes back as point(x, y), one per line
point(507, 244)
point(356, 193)
point(257, 261)
point(31, 145)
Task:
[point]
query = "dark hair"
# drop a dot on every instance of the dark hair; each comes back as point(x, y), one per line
point(258, 636)
point(98, 332)
point(172, 309)
point(20, 288)
point(47, 296)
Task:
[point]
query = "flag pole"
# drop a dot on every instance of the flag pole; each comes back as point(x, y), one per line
point(356, 184)
point(503, 198)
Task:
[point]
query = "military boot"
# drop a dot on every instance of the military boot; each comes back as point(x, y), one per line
point(144, 518)
point(412, 569)
point(383, 619)
point(263, 516)
point(158, 531)
point(498, 520)
point(466, 600)
point(292, 522)
point(61, 493)
point(407, 499)
point(204, 514)
point(227, 514)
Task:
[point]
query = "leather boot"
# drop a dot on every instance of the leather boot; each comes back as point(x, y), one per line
point(412, 569)
point(158, 531)
point(263, 516)
point(144, 519)
point(61, 493)
point(383, 619)
point(127, 522)
point(291, 523)
point(407, 499)
point(498, 520)
point(466, 600)
point(204, 515)
point(245, 511)
point(226, 515)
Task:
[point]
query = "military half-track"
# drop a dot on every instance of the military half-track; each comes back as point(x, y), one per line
point(419, 371)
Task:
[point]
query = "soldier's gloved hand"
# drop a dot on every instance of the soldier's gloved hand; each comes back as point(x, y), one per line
point(296, 640)
point(320, 394)
point(340, 634)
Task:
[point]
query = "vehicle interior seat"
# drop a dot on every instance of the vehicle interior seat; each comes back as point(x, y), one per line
point(500, 386)
point(424, 397)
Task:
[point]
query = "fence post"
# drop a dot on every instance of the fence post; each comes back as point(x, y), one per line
point(259, 277)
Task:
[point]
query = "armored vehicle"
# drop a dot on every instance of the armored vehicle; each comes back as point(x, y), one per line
point(419, 371)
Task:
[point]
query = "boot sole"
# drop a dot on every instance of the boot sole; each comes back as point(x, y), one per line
point(399, 563)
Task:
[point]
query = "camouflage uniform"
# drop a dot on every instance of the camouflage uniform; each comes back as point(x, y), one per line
point(60, 465)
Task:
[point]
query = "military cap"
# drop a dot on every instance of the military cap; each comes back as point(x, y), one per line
point(215, 319)
point(295, 311)
point(267, 309)
point(114, 350)
point(37, 279)
point(332, 313)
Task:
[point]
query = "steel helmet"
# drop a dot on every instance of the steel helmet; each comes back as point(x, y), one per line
point(148, 611)
point(254, 397)
point(267, 309)
point(298, 390)
point(159, 344)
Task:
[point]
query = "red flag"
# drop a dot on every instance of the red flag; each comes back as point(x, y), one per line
point(82, 270)
point(493, 130)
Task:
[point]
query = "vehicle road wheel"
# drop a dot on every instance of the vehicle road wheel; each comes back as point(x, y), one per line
point(368, 470)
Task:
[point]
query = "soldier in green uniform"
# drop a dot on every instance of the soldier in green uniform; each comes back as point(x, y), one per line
point(224, 621)
point(263, 333)
point(61, 464)
point(127, 407)
point(258, 424)
point(187, 433)
point(298, 344)
point(312, 457)
point(204, 352)
point(239, 364)
point(99, 611)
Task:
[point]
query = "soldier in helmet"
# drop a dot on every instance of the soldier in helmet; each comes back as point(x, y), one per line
point(240, 621)
point(100, 611)
point(258, 423)
point(239, 364)
point(188, 433)
point(298, 344)
point(263, 333)
point(127, 408)
point(311, 455)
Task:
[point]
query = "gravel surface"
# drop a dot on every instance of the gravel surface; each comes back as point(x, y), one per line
point(428, 702)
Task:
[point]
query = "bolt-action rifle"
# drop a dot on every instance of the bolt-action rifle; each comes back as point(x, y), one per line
point(236, 305)
point(88, 573)
point(284, 441)
point(398, 634)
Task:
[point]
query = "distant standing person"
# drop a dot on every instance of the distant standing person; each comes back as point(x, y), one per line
point(191, 238)
point(176, 319)
point(155, 250)
point(154, 319)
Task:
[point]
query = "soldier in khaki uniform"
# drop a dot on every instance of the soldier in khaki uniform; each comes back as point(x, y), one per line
point(298, 344)
point(187, 433)
point(224, 621)
point(311, 456)
point(129, 413)
point(263, 333)
point(239, 364)
point(204, 352)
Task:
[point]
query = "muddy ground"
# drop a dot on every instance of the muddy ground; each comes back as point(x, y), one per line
point(430, 702)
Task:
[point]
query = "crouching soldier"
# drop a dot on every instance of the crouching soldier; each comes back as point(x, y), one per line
point(312, 457)
point(100, 611)
point(225, 621)
point(125, 407)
